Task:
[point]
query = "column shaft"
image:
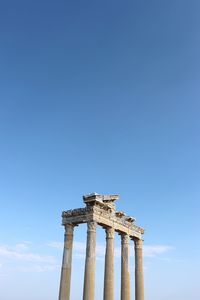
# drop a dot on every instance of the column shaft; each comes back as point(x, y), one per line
point(89, 278)
point(125, 274)
point(65, 280)
point(109, 265)
point(139, 280)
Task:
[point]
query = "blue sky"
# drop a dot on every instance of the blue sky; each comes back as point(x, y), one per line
point(99, 96)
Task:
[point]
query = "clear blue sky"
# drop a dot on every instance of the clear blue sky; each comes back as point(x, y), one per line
point(99, 96)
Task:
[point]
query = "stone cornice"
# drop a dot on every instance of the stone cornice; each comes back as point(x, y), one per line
point(104, 215)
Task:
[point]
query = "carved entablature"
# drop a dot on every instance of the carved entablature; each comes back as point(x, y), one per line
point(104, 214)
point(120, 214)
point(73, 212)
point(130, 219)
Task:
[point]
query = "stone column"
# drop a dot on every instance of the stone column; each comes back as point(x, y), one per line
point(109, 265)
point(64, 293)
point(139, 280)
point(125, 274)
point(89, 279)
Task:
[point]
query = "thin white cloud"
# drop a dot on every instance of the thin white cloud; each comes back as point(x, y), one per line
point(22, 246)
point(56, 245)
point(17, 253)
point(21, 258)
point(79, 249)
point(21, 254)
point(37, 268)
point(154, 250)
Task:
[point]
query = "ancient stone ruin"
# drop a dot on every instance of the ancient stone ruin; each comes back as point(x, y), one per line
point(101, 210)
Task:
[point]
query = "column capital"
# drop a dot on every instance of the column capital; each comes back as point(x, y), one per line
point(110, 233)
point(124, 238)
point(69, 229)
point(138, 243)
point(91, 226)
